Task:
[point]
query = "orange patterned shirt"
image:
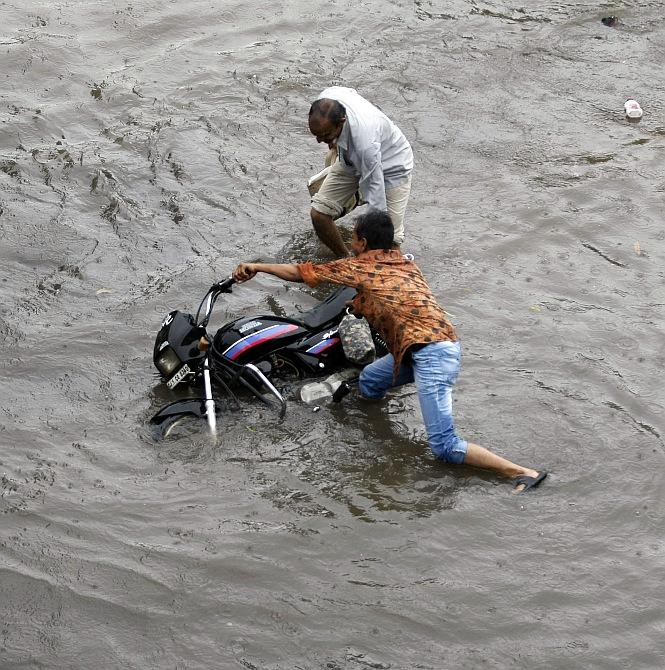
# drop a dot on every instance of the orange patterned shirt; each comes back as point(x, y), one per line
point(392, 295)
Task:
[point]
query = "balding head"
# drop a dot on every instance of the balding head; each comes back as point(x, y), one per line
point(326, 120)
point(325, 108)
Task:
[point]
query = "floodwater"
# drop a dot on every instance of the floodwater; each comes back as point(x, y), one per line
point(147, 147)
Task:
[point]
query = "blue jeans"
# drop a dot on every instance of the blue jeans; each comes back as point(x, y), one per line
point(434, 368)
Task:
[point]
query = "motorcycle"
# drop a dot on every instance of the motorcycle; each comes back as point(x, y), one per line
point(247, 354)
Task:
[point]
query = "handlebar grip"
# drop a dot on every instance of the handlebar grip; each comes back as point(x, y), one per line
point(225, 285)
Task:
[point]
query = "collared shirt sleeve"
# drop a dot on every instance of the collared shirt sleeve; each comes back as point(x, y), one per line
point(372, 183)
point(342, 272)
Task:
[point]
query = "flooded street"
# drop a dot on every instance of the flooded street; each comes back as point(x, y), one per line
point(148, 147)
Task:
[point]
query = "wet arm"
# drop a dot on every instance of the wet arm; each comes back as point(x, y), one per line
point(286, 271)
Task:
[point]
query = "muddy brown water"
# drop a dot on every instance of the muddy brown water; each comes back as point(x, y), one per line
point(147, 147)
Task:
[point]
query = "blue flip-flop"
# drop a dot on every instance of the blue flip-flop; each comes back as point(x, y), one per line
point(529, 482)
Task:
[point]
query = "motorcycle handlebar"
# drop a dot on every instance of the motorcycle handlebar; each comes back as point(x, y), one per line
point(224, 286)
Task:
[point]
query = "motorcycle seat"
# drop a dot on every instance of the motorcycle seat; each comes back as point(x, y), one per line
point(333, 306)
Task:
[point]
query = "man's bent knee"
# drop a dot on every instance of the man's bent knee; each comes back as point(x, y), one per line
point(369, 389)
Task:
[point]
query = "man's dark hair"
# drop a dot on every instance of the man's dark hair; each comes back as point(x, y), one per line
point(376, 227)
point(325, 108)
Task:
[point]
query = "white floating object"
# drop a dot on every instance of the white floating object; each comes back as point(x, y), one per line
point(633, 109)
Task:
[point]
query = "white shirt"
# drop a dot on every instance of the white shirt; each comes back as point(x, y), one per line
point(370, 146)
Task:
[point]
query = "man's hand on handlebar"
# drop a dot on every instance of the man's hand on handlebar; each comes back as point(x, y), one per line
point(286, 271)
point(244, 271)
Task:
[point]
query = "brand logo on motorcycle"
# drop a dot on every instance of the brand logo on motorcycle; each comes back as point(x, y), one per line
point(167, 320)
point(249, 326)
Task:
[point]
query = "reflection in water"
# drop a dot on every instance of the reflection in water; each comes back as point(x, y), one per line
point(362, 457)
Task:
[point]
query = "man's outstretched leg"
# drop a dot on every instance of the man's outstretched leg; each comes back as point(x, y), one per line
point(436, 368)
point(483, 458)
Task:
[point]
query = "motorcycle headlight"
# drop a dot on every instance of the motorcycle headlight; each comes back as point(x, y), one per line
point(168, 362)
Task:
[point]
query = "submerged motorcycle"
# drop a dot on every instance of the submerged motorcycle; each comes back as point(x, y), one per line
point(249, 353)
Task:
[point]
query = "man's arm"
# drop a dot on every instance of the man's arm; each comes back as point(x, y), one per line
point(372, 183)
point(286, 271)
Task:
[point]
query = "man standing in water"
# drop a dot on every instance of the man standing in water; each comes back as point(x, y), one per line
point(374, 157)
point(396, 300)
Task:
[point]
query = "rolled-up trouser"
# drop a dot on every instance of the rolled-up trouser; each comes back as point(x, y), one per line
point(315, 182)
point(434, 368)
point(339, 186)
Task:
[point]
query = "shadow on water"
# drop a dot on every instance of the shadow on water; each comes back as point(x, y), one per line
point(364, 458)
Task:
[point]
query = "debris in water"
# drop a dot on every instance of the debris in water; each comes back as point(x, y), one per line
point(633, 109)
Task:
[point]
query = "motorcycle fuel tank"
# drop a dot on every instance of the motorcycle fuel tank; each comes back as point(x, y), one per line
point(251, 338)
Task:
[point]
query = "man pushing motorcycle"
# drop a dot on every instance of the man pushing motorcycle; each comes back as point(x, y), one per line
point(394, 297)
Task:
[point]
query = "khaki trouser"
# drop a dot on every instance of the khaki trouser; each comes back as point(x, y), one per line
point(315, 183)
point(335, 193)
